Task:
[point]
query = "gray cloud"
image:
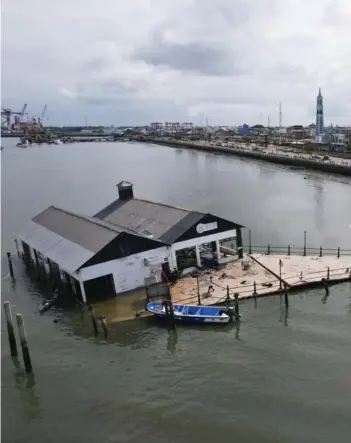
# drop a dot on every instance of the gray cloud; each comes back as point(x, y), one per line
point(194, 57)
point(177, 59)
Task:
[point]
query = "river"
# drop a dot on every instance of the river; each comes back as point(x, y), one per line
point(274, 378)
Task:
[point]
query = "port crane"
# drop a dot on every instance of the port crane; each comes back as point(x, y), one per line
point(7, 113)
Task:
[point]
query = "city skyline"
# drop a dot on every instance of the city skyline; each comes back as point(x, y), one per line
point(177, 61)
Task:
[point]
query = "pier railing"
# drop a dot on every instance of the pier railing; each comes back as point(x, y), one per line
point(296, 250)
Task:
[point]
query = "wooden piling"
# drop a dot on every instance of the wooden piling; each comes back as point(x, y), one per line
point(325, 283)
point(104, 326)
point(321, 251)
point(10, 329)
point(198, 290)
point(338, 253)
point(328, 273)
point(286, 297)
point(289, 249)
point(10, 265)
point(254, 289)
point(24, 344)
point(250, 246)
point(36, 258)
point(228, 294)
point(93, 320)
point(236, 306)
point(17, 249)
point(268, 249)
point(171, 314)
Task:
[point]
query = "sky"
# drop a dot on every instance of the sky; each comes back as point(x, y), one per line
point(131, 62)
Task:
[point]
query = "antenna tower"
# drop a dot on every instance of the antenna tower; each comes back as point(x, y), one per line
point(280, 115)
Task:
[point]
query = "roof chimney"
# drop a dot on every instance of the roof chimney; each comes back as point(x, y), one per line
point(125, 190)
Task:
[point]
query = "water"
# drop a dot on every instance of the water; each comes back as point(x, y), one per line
point(274, 379)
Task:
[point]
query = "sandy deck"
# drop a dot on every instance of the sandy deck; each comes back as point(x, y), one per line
point(238, 280)
point(297, 270)
point(241, 281)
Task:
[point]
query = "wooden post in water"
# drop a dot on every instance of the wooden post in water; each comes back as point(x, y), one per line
point(269, 250)
point(321, 251)
point(328, 273)
point(254, 289)
point(304, 243)
point(103, 322)
point(10, 329)
point(18, 252)
point(289, 250)
point(250, 246)
point(228, 295)
point(24, 344)
point(10, 265)
point(338, 253)
point(236, 306)
point(325, 283)
point(286, 297)
point(93, 320)
point(198, 290)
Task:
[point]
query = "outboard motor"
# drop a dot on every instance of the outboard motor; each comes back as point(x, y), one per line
point(230, 312)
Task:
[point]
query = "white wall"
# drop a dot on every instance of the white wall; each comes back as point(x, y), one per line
point(128, 272)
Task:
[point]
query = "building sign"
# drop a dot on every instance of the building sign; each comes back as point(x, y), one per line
point(201, 227)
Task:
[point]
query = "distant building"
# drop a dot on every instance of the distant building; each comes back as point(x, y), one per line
point(156, 126)
point(244, 130)
point(319, 118)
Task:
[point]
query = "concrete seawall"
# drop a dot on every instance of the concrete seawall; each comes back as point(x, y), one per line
point(271, 158)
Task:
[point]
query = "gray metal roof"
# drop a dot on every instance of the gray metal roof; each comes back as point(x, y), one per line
point(68, 239)
point(84, 231)
point(68, 255)
point(149, 219)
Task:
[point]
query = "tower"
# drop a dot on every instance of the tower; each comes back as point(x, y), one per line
point(280, 115)
point(319, 117)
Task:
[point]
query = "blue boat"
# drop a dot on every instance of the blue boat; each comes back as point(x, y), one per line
point(194, 313)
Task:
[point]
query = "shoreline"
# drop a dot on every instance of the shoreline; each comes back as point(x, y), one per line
point(270, 158)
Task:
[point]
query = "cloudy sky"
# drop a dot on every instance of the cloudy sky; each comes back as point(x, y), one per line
point(137, 61)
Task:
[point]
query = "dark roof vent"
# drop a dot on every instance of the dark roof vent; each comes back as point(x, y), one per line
point(125, 190)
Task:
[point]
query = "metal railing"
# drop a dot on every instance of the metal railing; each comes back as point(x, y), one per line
point(296, 250)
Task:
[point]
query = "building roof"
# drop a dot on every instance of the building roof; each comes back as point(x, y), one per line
point(67, 238)
point(159, 221)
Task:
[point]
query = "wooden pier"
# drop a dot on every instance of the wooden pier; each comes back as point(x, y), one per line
point(263, 275)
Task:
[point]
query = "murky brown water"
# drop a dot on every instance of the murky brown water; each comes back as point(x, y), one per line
point(273, 379)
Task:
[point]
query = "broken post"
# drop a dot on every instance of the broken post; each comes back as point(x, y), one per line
point(10, 265)
point(338, 253)
point(328, 273)
point(228, 295)
point(103, 322)
point(24, 343)
point(321, 251)
point(10, 329)
point(254, 289)
point(93, 320)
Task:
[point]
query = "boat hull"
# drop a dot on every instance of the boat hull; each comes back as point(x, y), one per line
point(192, 313)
